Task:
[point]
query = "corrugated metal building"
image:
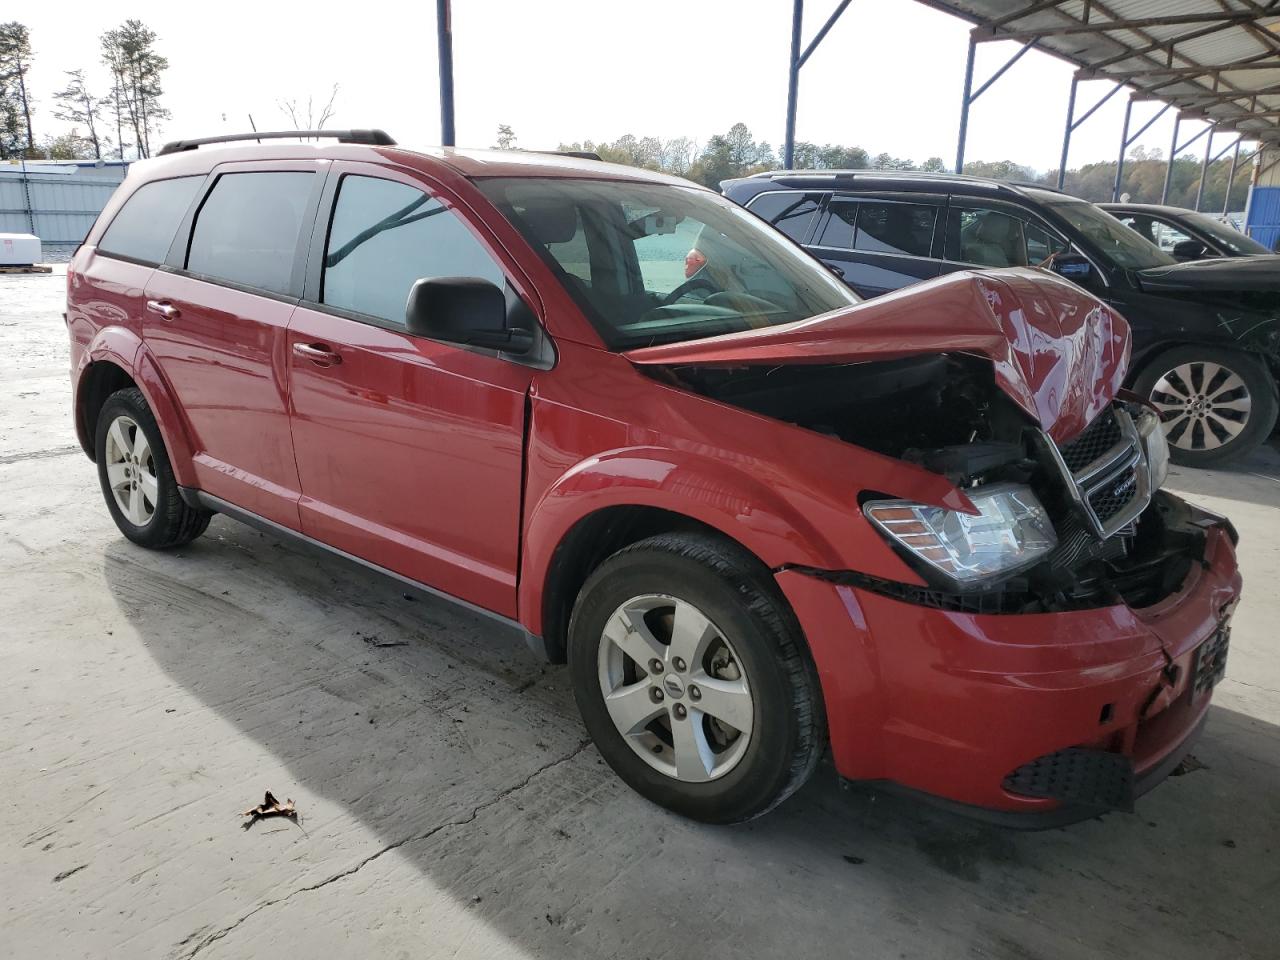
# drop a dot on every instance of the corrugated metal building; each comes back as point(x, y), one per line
point(56, 200)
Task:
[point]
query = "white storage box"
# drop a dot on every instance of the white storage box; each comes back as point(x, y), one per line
point(19, 249)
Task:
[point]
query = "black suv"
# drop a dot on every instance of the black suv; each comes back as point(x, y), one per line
point(1206, 335)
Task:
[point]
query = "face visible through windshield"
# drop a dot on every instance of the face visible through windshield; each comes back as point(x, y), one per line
point(653, 264)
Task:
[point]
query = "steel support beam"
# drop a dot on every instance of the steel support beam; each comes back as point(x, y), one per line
point(1174, 150)
point(1072, 124)
point(970, 95)
point(1231, 176)
point(444, 37)
point(1219, 21)
point(797, 61)
point(1127, 141)
point(1204, 168)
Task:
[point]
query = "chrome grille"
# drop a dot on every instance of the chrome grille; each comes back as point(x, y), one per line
point(1105, 471)
point(1099, 437)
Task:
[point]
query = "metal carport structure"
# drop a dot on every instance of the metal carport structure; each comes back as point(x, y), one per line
point(1216, 61)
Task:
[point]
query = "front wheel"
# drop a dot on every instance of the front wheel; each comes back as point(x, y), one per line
point(693, 679)
point(1216, 405)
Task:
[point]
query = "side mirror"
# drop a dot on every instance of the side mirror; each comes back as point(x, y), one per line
point(464, 310)
point(1190, 249)
point(1072, 266)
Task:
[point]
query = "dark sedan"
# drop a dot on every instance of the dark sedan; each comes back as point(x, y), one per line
point(1185, 234)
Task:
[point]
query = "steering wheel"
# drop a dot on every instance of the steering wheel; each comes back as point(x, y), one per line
point(685, 288)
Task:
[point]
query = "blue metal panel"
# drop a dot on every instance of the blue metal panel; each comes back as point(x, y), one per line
point(1264, 216)
point(57, 208)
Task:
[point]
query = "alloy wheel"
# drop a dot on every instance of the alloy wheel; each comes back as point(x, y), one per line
point(675, 689)
point(131, 471)
point(1203, 405)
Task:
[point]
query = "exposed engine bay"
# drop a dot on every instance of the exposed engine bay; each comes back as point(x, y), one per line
point(1116, 537)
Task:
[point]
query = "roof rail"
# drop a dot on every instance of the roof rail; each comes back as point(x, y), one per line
point(377, 138)
point(579, 154)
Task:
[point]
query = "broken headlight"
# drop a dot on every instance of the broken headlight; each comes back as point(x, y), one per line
point(1156, 446)
point(1010, 532)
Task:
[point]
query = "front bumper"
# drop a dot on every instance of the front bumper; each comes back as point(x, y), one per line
point(957, 705)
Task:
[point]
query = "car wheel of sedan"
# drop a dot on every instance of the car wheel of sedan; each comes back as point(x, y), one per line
point(1216, 405)
point(693, 679)
point(137, 479)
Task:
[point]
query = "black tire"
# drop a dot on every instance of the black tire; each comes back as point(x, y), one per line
point(738, 595)
point(1259, 381)
point(173, 522)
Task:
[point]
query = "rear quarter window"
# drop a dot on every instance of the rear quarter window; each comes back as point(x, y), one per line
point(144, 227)
point(789, 212)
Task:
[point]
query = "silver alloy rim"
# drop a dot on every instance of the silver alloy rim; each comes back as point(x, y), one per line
point(1203, 405)
point(675, 688)
point(131, 471)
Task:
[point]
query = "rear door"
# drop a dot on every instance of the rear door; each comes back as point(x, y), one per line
point(409, 451)
point(215, 318)
point(880, 243)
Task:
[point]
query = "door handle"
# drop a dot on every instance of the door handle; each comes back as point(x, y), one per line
point(164, 308)
point(318, 354)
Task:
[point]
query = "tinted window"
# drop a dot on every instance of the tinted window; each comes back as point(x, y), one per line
point(1041, 244)
point(387, 235)
point(652, 263)
point(145, 225)
point(895, 228)
point(789, 212)
point(837, 232)
point(989, 238)
point(247, 229)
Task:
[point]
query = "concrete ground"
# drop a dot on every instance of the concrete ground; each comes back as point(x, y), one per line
point(450, 806)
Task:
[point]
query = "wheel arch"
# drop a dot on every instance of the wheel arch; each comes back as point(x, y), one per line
point(118, 359)
point(585, 518)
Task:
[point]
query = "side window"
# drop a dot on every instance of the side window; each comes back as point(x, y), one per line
point(247, 229)
point(1041, 244)
point(905, 228)
point(144, 227)
point(387, 235)
point(837, 232)
point(789, 212)
point(1167, 236)
point(989, 238)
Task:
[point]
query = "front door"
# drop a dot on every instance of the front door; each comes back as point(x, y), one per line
point(409, 451)
point(215, 319)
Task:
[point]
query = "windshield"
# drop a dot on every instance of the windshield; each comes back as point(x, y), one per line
point(1120, 244)
point(1226, 236)
point(650, 263)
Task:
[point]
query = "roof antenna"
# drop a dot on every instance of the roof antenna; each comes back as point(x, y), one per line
point(253, 126)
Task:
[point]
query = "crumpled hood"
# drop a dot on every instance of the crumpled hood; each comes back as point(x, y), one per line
point(1222, 273)
point(1058, 352)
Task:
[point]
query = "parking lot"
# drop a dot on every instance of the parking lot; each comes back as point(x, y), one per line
point(449, 801)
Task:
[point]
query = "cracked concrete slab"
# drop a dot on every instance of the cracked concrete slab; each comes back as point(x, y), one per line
point(448, 804)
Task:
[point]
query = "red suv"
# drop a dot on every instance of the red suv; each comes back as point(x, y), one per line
point(755, 516)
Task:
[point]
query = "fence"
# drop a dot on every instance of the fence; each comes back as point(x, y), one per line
point(58, 207)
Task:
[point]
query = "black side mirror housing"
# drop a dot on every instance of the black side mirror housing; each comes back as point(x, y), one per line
point(466, 311)
point(1072, 266)
point(1189, 249)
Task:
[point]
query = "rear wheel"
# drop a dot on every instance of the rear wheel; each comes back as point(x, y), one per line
point(136, 476)
point(693, 679)
point(1216, 405)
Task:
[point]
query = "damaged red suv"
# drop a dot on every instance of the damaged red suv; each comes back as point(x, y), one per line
point(755, 516)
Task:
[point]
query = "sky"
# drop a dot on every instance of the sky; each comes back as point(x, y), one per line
point(888, 77)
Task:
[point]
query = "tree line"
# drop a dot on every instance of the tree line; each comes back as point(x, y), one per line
point(116, 113)
point(737, 154)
